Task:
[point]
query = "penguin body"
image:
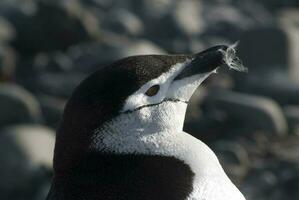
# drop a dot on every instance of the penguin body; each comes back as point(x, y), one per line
point(122, 135)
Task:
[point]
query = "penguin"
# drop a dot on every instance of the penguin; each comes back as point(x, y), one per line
point(121, 135)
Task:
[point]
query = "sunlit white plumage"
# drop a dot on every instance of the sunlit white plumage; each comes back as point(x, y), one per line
point(121, 136)
point(158, 130)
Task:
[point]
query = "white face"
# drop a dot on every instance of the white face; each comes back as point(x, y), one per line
point(166, 107)
point(143, 114)
point(179, 90)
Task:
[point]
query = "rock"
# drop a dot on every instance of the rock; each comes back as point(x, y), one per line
point(54, 62)
point(152, 10)
point(161, 18)
point(50, 21)
point(35, 142)
point(17, 106)
point(275, 180)
point(259, 185)
point(140, 47)
point(275, 5)
point(89, 57)
point(187, 16)
point(256, 49)
point(52, 109)
point(28, 7)
point(103, 4)
point(229, 19)
point(122, 21)
point(246, 113)
point(269, 70)
point(289, 20)
point(234, 159)
point(194, 111)
point(273, 84)
point(86, 57)
point(26, 155)
point(7, 31)
point(286, 149)
point(195, 45)
point(292, 116)
point(7, 64)
point(220, 113)
point(57, 84)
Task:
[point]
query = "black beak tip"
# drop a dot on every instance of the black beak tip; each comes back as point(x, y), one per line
point(210, 59)
point(205, 61)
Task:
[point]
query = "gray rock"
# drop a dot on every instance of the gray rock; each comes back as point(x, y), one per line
point(7, 63)
point(292, 115)
point(29, 7)
point(89, 57)
point(256, 49)
point(26, 155)
point(187, 16)
point(7, 32)
point(152, 9)
point(57, 84)
point(286, 149)
point(234, 159)
point(103, 4)
point(269, 70)
point(276, 5)
point(247, 113)
point(54, 62)
point(49, 21)
point(275, 180)
point(141, 47)
point(164, 23)
point(228, 19)
point(17, 106)
point(52, 109)
point(196, 45)
point(86, 57)
point(275, 84)
point(122, 21)
point(194, 112)
point(289, 20)
point(36, 142)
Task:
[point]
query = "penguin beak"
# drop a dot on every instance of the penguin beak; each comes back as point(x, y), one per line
point(204, 62)
point(195, 72)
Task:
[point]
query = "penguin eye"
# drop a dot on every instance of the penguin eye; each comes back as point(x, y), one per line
point(152, 90)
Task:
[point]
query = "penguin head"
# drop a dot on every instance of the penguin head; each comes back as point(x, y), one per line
point(134, 96)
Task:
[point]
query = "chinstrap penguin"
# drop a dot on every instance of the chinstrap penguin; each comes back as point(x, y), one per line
point(122, 138)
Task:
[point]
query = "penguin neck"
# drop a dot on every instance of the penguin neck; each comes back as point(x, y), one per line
point(156, 132)
point(131, 129)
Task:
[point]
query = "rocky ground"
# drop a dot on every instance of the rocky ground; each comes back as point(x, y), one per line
point(251, 120)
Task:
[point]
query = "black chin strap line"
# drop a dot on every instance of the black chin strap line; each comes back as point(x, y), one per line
point(155, 104)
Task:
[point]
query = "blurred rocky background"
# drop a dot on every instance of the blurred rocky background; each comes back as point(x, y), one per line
point(251, 120)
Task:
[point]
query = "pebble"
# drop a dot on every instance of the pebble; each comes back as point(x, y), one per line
point(122, 21)
point(17, 106)
point(250, 112)
point(26, 153)
point(52, 109)
point(87, 58)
